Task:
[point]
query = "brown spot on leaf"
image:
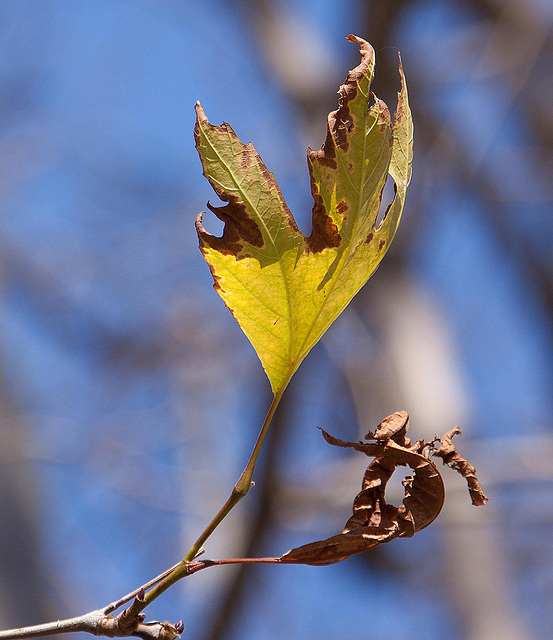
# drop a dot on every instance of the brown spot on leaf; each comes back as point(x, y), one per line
point(381, 244)
point(324, 233)
point(239, 228)
point(326, 156)
point(216, 280)
point(369, 238)
point(342, 207)
point(271, 182)
point(383, 115)
point(247, 157)
point(374, 521)
point(342, 125)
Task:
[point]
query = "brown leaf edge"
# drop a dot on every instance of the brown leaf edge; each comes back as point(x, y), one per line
point(374, 521)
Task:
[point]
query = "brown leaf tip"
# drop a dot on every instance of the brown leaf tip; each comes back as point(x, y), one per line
point(401, 95)
point(200, 113)
point(324, 233)
point(367, 59)
point(448, 453)
point(340, 122)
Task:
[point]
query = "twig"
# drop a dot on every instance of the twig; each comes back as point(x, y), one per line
point(241, 488)
point(119, 603)
point(227, 609)
point(97, 622)
point(130, 622)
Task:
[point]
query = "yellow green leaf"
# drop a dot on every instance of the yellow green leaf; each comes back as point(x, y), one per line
point(285, 289)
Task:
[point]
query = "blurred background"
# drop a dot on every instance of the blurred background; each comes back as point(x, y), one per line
point(130, 399)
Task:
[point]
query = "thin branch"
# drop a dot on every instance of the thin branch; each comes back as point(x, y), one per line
point(130, 622)
point(241, 488)
point(227, 609)
point(119, 603)
point(81, 623)
point(95, 622)
point(100, 623)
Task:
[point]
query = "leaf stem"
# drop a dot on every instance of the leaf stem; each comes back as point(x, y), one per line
point(240, 489)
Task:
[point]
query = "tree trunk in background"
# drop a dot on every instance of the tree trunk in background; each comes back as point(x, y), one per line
point(22, 585)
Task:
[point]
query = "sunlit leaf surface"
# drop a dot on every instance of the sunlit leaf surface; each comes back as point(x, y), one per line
point(286, 289)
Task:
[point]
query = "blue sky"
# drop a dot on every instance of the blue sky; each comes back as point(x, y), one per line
point(139, 393)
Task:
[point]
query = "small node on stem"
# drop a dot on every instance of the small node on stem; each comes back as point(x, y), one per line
point(241, 488)
point(179, 627)
point(132, 616)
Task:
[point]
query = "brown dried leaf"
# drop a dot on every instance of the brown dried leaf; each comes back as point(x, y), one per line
point(449, 455)
point(339, 547)
point(393, 427)
point(374, 521)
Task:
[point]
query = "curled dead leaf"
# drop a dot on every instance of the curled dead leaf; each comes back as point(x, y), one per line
point(452, 459)
point(374, 521)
